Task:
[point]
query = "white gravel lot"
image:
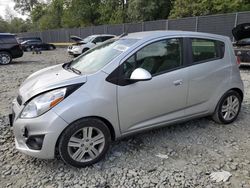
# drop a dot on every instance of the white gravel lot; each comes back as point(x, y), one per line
point(194, 149)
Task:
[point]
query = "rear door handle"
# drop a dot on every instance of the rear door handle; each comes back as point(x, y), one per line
point(178, 82)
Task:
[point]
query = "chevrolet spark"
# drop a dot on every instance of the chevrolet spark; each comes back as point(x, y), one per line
point(128, 84)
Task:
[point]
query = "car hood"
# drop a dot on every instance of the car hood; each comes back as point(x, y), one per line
point(241, 31)
point(76, 38)
point(48, 79)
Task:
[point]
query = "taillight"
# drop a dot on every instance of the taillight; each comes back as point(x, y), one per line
point(238, 60)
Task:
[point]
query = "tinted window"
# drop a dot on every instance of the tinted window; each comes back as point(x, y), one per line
point(8, 39)
point(98, 39)
point(106, 38)
point(205, 50)
point(156, 58)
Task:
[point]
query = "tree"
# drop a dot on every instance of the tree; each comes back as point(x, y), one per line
point(49, 16)
point(25, 6)
point(3, 25)
point(146, 10)
point(189, 8)
point(81, 13)
point(112, 12)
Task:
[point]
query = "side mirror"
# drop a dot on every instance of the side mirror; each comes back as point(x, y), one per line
point(140, 74)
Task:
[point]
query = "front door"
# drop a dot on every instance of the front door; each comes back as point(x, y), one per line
point(161, 99)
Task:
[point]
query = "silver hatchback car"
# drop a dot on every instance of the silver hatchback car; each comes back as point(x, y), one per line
point(128, 84)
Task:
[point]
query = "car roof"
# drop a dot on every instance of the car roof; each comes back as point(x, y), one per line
point(163, 33)
point(25, 41)
point(7, 34)
point(102, 35)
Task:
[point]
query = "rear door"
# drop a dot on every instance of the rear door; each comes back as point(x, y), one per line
point(149, 103)
point(207, 69)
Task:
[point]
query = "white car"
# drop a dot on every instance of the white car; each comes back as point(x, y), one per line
point(83, 45)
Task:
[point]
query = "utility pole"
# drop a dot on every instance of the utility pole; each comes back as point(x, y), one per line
point(124, 10)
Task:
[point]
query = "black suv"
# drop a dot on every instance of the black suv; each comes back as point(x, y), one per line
point(9, 48)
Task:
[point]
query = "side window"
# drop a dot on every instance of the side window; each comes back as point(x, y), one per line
point(9, 40)
point(205, 50)
point(97, 39)
point(107, 38)
point(156, 58)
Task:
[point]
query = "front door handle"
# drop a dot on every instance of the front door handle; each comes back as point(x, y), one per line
point(178, 82)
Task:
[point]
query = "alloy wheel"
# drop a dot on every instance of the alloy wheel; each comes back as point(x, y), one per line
point(230, 107)
point(86, 144)
point(4, 59)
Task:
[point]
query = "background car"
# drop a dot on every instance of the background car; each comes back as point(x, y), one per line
point(241, 34)
point(22, 39)
point(83, 45)
point(31, 44)
point(9, 48)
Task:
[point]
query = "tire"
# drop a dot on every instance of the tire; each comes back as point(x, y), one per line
point(5, 58)
point(82, 152)
point(51, 48)
point(228, 108)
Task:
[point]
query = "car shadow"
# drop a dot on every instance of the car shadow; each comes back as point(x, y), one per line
point(23, 62)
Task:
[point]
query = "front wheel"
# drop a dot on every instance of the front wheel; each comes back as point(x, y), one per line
point(84, 142)
point(228, 108)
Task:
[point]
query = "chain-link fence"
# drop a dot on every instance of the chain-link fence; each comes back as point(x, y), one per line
point(217, 24)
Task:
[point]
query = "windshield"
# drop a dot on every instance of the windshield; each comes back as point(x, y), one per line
point(96, 58)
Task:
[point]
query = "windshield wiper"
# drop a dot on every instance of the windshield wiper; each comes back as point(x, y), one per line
point(75, 70)
point(68, 67)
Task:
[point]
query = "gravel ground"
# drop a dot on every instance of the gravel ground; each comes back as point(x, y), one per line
point(192, 150)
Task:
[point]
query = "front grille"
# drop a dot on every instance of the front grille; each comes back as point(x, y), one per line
point(19, 100)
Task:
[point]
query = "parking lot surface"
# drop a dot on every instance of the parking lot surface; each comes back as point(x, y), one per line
point(181, 155)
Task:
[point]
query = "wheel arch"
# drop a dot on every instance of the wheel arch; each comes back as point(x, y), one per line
point(6, 50)
point(109, 125)
point(238, 91)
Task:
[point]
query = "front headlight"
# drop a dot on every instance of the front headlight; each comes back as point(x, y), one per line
point(42, 103)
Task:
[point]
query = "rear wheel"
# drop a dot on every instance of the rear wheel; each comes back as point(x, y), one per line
point(84, 142)
point(51, 48)
point(228, 108)
point(5, 58)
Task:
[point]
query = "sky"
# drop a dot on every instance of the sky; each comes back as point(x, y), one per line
point(8, 3)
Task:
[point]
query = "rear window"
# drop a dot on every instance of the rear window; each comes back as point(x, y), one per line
point(207, 50)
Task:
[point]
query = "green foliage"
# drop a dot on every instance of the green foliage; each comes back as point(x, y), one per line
point(25, 6)
point(146, 10)
point(3, 25)
point(81, 13)
point(112, 12)
point(15, 25)
point(189, 8)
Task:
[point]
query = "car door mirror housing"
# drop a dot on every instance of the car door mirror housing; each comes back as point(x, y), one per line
point(140, 74)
